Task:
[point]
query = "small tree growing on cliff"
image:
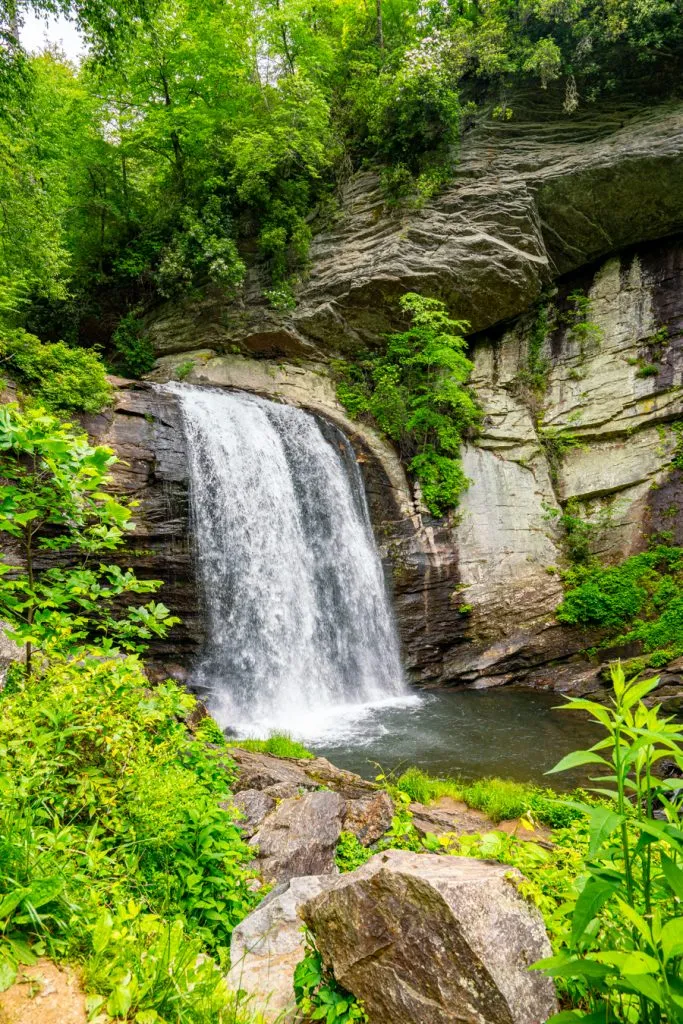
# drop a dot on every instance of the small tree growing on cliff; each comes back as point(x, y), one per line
point(52, 503)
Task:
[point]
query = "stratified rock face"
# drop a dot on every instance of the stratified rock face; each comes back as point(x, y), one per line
point(268, 944)
point(427, 939)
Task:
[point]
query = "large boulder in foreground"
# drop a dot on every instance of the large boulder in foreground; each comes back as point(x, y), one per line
point(300, 836)
point(266, 947)
point(427, 939)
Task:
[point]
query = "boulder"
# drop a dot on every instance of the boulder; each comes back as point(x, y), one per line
point(299, 837)
point(253, 806)
point(266, 947)
point(428, 939)
point(369, 817)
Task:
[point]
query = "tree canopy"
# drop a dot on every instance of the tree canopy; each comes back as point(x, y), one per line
point(198, 138)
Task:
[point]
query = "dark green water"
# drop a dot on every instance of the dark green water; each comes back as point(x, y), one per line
point(515, 734)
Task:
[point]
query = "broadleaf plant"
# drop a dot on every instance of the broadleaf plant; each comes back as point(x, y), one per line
point(55, 594)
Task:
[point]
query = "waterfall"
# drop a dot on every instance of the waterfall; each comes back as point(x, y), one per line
point(299, 627)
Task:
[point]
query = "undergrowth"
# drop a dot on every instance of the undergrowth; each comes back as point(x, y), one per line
point(640, 600)
point(500, 799)
point(416, 392)
point(115, 851)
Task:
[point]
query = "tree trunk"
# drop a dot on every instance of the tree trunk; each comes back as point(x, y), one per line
point(380, 25)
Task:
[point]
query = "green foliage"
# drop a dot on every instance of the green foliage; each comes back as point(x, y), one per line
point(677, 460)
point(416, 392)
point(62, 379)
point(134, 352)
point(500, 799)
point(578, 533)
point(114, 849)
point(580, 328)
point(319, 996)
point(639, 600)
point(52, 502)
point(532, 379)
point(556, 443)
point(280, 744)
point(623, 950)
point(350, 852)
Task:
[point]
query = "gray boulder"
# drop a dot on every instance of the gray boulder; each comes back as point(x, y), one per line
point(427, 939)
point(299, 837)
point(253, 806)
point(267, 946)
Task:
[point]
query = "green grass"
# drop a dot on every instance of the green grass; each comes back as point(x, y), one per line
point(500, 799)
point(279, 744)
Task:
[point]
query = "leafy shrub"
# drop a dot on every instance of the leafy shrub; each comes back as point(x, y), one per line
point(639, 600)
point(62, 379)
point(350, 852)
point(203, 249)
point(623, 948)
point(52, 500)
point(318, 994)
point(134, 351)
point(108, 806)
point(416, 393)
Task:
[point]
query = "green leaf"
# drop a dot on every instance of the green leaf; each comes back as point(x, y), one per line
point(8, 974)
point(102, 932)
point(11, 901)
point(672, 938)
point(636, 691)
point(673, 875)
point(576, 759)
point(646, 986)
point(119, 1001)
point(594, 895)
point(603, 822)
point(44, 890)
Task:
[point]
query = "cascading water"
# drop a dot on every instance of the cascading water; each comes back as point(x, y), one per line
point(300, 631)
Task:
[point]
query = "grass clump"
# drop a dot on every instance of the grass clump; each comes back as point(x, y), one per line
point(279, 744)
point(500, 799)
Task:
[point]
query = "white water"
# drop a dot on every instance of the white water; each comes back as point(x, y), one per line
point(300, 635)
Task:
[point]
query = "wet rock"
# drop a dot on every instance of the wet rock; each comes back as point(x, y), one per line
point(253, 806)
point(281, 777)
point(426, 939)
point(299, 837)
point(268, 944)
point(369, 817)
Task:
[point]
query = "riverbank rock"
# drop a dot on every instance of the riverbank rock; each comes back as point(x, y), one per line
point(263, 779)
point(266, 947)
point(426, 939)
point(299, 837)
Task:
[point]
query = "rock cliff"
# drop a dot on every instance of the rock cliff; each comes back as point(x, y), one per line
point(541, 206)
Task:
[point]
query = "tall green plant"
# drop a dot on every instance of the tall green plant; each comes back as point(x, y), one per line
point(54, 596)
point(626, 943)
